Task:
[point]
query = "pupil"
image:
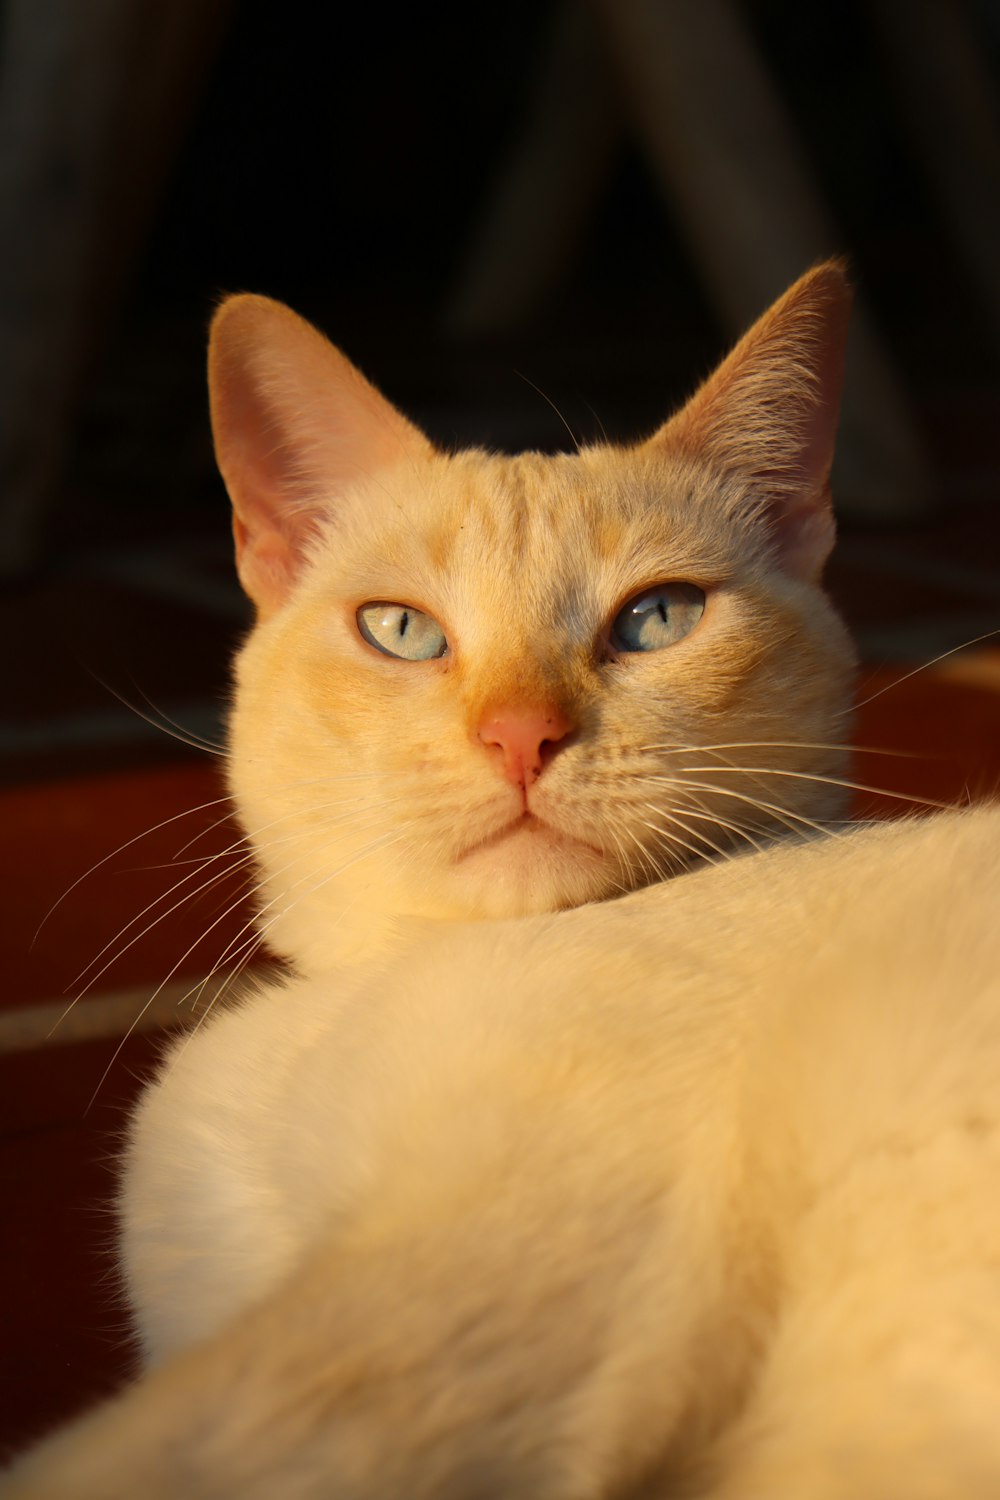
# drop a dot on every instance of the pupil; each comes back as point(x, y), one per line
point(404, 621)
point(661, 610)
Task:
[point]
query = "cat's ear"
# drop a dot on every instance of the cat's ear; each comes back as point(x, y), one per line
point(770, 410)
point(295, 424)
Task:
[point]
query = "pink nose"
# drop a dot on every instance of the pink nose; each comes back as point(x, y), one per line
point(527, 737)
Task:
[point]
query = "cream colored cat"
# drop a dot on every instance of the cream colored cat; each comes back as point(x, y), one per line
point(547, 1176)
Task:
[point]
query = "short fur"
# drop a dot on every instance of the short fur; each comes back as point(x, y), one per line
point(548, 1175)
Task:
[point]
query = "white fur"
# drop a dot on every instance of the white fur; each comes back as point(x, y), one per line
point(718, 1192)
point(516, 1188)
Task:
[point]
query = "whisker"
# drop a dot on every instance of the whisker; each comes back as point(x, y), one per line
point(670, 813)
point(573, 437)
point(976, 641)
point(260, 937)
point(255, 920)
point(604, 430)
point(782, 813)
point(841, 745)
point(289, 786)
point(175, 733)
point(160, 987)
point(699, 854)
point(246, 953)
point(701, 817)
point(740, 830)
point(146, 832)
point(622, 862)
point(189, 895)
point(199, 741)
point(693, 850)
point(649, 867)
point(854, 786)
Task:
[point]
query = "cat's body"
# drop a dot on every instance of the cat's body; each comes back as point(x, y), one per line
point(686, 1193)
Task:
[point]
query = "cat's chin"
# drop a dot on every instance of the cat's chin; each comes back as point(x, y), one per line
point(530, 867)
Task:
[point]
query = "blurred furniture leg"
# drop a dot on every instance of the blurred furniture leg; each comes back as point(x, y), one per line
point(93, 97)
point(688, 79)
point(728, 158)
point(538, 211)
point(947, 103)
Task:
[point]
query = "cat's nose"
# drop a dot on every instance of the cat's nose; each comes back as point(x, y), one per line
point(527, 739)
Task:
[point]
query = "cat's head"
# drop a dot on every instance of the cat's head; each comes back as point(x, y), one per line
point(487, 686)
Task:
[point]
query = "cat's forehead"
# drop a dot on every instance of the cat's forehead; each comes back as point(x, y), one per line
point(538, 525)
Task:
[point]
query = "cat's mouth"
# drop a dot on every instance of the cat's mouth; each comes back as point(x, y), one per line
point(529, 825)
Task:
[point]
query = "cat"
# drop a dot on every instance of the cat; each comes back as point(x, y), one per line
point(628, 1125)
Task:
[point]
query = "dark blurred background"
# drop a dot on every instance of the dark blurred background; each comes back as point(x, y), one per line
point(590, 197)
point(528, 223)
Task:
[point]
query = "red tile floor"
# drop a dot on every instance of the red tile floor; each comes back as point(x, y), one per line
point(85, 780)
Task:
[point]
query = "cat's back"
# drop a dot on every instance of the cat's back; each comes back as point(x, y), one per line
point(780, 1015)
point(783, 1020)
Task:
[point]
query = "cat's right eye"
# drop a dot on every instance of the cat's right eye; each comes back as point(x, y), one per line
point(658, 617)
point(402, 631)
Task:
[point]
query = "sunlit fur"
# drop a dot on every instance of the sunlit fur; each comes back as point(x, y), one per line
point(687, 1193)
point(525, 562)
point(367, 772)
point(688, 1196)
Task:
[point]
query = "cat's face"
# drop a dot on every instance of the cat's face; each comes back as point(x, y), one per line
point(486, 686)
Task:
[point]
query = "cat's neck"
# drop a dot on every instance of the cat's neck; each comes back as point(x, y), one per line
point(361, 940)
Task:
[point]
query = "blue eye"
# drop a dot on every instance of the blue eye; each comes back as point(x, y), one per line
point(400, 630)
point(658, 617)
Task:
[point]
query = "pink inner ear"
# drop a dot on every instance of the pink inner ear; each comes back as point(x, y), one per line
point(805, 537)
point(296, 426)
point(274, 513)
point(266, 547)
point(267, 563)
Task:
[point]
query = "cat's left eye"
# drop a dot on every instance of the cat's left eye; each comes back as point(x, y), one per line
point(658, 617)
point(400, 630)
